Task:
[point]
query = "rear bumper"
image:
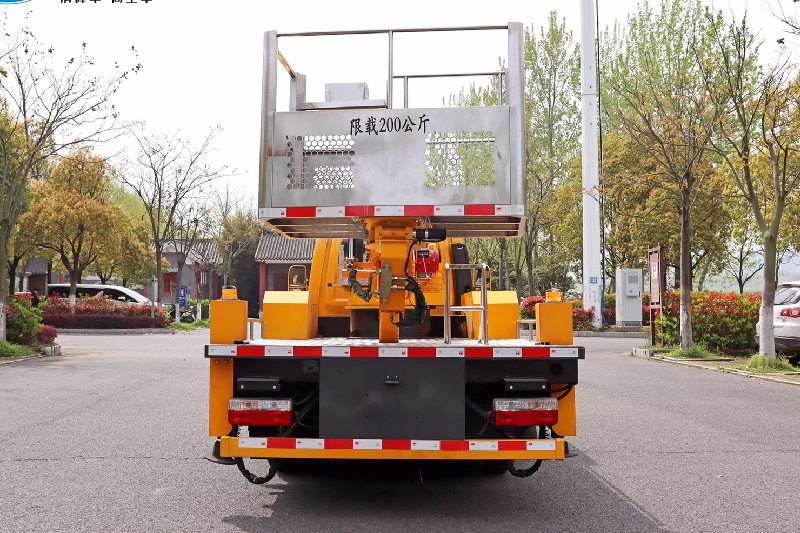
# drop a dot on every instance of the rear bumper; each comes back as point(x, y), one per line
point(391, 449)
point(785, 344)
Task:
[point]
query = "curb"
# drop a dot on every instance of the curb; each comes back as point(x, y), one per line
point(50, 350)
point(146, 331)
point(618, 334)
point(726, 371)
point(12, 360)
point(45, 351)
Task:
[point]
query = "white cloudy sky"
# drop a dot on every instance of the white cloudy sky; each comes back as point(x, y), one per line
point(202, 58)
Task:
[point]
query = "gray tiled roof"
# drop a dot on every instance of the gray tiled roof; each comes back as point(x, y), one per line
point(206, 252)
point(275, 248)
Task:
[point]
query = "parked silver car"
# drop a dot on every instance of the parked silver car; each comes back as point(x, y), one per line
point(786, 319)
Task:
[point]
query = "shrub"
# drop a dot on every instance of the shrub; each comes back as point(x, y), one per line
point(204, 306)
point(527, 310)
point(720, 321)
point(8, 349)
point(101, 313)
point(47, 335)
point(75, 321)
point(581, 319)
point(23, 322)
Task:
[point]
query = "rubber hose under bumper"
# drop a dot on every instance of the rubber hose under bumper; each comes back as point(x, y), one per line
point(252, 478)
point(527, 472)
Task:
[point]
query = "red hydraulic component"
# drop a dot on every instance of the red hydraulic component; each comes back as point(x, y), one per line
point(427, 262)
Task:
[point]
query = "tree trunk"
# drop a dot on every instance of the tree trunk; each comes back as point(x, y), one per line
point(159, 274)
point(73, 291)
point(766, 342)
point(529, 266)
point(4, 242)
point(686, 273)
point(502, 265)
point(12, 274)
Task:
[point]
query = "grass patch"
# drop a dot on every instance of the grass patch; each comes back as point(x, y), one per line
point(189, 326)
point(8, 349)
point(653, 347)
point(759, 364)
point(696, 352)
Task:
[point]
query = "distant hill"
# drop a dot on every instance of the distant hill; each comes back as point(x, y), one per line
point(788, 271)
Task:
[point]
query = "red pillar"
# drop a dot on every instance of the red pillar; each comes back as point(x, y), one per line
point(262, 283)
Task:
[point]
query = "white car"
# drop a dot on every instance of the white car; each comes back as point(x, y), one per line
point(786, 313)
point(116, 292)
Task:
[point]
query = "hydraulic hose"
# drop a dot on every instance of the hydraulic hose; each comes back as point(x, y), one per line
point(355, 286)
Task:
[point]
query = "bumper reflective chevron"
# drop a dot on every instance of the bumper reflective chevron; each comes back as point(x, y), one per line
point(481, 352)
point(391, 449)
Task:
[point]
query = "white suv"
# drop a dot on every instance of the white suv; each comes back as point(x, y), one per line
point(117, 293)
point(786, 313)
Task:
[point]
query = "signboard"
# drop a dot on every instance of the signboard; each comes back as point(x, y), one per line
point(592, 279)
point(658, 275)
point(184, 292)
point(658, 284)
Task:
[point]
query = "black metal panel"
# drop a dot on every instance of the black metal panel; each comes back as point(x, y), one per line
point(288, 370)
point(392, 398)
point(463, 277)
point(495, 370)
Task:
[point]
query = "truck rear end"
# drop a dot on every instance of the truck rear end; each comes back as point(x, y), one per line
point(394, 348)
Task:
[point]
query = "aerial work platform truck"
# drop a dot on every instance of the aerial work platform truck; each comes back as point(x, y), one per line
point(394, 346)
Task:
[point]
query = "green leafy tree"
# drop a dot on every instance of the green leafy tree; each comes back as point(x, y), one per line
point(167, 174)
point(758, 140)
point(73, 217)
point(552, 81)
point(238, 231)
point(660, 101)
point(44, 110)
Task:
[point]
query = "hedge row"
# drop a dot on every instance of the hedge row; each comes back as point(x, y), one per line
point(100, 313)
point(86, 321)
point(97, 306)
point(720, 321)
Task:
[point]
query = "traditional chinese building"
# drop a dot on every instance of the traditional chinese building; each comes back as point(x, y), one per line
point(277, 254)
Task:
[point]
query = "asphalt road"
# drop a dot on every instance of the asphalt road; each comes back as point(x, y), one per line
point(110, 437)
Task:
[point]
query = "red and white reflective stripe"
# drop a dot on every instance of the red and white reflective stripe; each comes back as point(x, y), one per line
point(392, 210)
point(398, 444)
point(480, 352)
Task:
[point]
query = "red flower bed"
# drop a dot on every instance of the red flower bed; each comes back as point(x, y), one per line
point(100, 313)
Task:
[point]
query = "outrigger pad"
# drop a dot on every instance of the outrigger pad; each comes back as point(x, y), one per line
point(215, 457)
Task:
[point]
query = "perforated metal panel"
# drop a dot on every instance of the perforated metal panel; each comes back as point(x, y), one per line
point(460, 159)
point(321, 162)
point(427, 156)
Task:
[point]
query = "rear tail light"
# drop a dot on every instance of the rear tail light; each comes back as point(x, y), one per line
point(525, 411)
point(247, 412)
point(793, 312)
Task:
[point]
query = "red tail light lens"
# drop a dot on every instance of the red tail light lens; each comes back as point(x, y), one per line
point(525, 412)
point(248, 412)
point(793, 312)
